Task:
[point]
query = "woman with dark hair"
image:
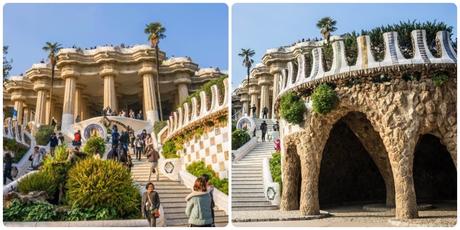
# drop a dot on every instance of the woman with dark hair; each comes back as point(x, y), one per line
point(198, 208)
point(151, 204)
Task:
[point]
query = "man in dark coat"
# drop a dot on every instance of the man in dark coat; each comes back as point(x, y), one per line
point(263, 128)
point(53, 143)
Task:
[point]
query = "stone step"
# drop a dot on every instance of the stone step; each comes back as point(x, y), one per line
point(255, 208)
point(238, 195)
point(247, 186)
point(246, 179)
point(220, 222)
point(251, 204)
point(247, 170)
point(246, 191)
point(182, 204)
point(248, 199)
point(248, 183)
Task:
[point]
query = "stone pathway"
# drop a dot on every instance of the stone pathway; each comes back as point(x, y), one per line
point(247, 180)
point(172, 195)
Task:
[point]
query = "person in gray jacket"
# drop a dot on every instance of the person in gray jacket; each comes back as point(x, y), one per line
point(198, 208)
point(150, 204)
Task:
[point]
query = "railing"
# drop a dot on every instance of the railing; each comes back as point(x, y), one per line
point(292, 77)
point(187, 115)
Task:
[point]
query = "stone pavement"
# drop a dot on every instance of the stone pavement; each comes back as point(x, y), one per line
point(273, 215)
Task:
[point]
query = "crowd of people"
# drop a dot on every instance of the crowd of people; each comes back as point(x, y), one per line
point(123, 113)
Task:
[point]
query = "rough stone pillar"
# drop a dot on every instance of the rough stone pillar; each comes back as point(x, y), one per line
point(26, 116)
point(84, 108)
point(147, 72)
point(48, 110)
point(275, 70)
point(291, 176)
point(18, 106)
point(400, 144)
point(40, 107)
point(254, 101)
point(110, 98)
point(68, 104)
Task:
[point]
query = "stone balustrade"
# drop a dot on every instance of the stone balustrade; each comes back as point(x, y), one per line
point(311, 74)
point(200, 110)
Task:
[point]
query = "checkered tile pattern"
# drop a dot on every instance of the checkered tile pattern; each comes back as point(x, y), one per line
point(213, 147)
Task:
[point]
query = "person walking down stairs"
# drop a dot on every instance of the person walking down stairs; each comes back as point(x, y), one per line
point(153, 157)
point(150, 206)
point(263, 128)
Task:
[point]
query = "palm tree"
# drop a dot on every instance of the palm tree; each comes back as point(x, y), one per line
point(52, 49)
point(247, 61)
point(326, 26)
point(155, 32)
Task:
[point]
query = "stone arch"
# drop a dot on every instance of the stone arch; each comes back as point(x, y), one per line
point(291, 174)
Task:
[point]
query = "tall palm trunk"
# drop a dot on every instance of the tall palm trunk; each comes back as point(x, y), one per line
point(157, 82)
point(51, 95)
point(248, 77)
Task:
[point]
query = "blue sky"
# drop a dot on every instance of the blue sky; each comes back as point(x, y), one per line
point(199, 31)
point(264, 26)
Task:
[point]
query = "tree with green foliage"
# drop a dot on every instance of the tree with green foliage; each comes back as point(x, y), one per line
point(292, 108)
point(247, 55)
point(6, 64)
point(52, 48)
point(156, 32)
point(326, 26)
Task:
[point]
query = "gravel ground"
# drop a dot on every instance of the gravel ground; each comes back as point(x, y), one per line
point(354, 216)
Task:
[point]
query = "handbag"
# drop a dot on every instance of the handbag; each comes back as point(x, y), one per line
point(154, 212)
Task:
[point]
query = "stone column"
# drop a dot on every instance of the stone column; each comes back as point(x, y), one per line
point(254, 101)
point(110, 98)
point(78, 102)
point(264, 98)
point(275, 70)
point(47, 111)
point(68, 104)
point(147, 72)
point(18, 106)
point(182, 81)
point(84, 108)
point(183, 92)
point(26, 115)
point(40, 107)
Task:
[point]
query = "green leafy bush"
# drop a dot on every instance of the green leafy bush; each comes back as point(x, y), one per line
point(43, 134)
point(324, 99)
point(95, 145)
point(18, 149)
point(95, 183)
point(39, 211)
point(292, 108)
point(275, 168)
point(158, 126)
point(169, 149)
point(78, 214)
point(199, 168)
point(239, 138)
point(39, 181)
point(439, 78)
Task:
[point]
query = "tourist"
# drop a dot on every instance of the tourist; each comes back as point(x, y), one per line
point(115, 138)
point(153, 157)
point(148, 142)
point(131, 114)
point(210, 190)
point(138, 144)
point(36, 158)
point(123, 113)
point(53, 140)
point(61, 138)
point(124, 140)
point(108, 111)
point(263, 128)
point(254, 109)
point(276, 126)
point(277, 145)
point(143, 137)
point(132, 138)
point(139, 115)
point(265, 112)
point(77, 119)
point(77, 139)
point(53, 122)
point(198, 208)
point(7, 166)
point(150, 206)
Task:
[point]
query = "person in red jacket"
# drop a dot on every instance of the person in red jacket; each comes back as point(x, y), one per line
point(77, 139)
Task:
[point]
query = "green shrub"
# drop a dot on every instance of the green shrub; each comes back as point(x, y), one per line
point(95, 183)
point(158, 126)
point(39, 211)
point(239, 138)
point(43, 134)
point(275, 168)
point(324, 99)
point(292, 108)
point(199, 168)
point(169, 149)
point(18, 149)
point(439, 78)
point(77, 214)
point(39, 181)
point(95, 145)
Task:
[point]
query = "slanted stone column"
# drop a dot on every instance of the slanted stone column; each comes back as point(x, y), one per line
point(254, 94)
point(400, 143)
point(40, 107)
point(245, 100)
point(26, 115)
point(108, 73)
point(264, 83)
point(48, 110)
point(147, 72)
point(70, 75)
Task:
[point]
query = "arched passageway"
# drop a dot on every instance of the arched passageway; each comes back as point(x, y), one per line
point(435, 175)
point(348, 173)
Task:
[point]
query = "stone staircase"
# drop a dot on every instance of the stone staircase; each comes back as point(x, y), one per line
point(247, 180)
point(172, 195)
